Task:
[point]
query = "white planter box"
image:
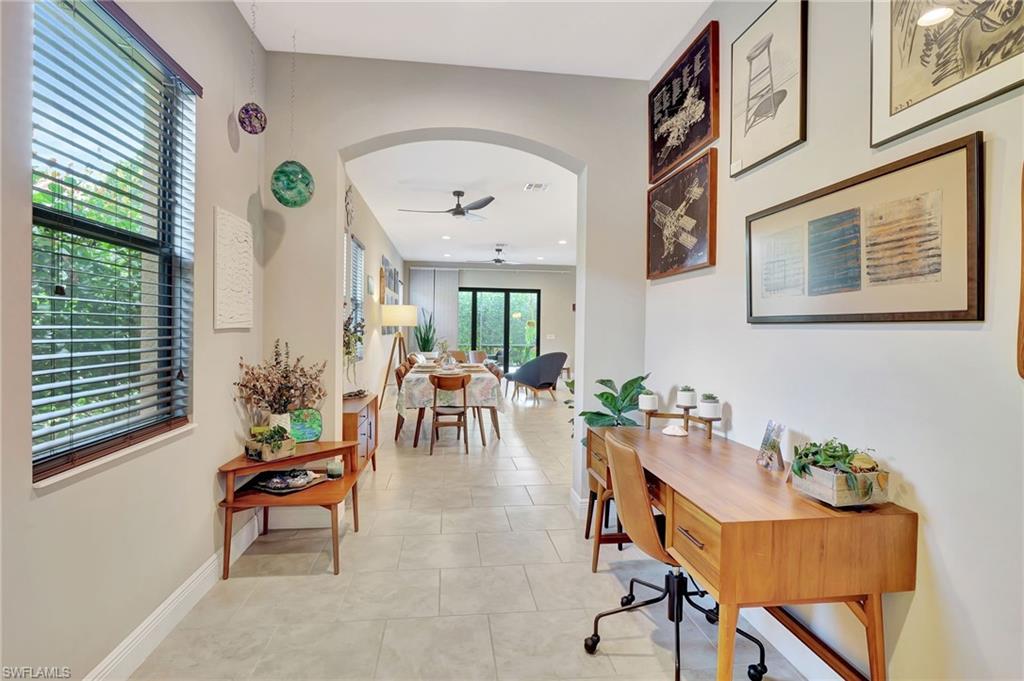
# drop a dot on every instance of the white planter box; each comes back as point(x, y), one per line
point(709, 410)
point(262, 452)
point(648, 403)
point(832, 488)
point(687, 399)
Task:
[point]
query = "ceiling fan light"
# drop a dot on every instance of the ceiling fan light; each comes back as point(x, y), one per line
point(934, 16)
point(446, 237)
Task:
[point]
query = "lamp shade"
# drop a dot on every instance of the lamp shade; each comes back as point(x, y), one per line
point(399, 315)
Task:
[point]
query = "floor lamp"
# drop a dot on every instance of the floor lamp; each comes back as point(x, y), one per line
point(400, 316)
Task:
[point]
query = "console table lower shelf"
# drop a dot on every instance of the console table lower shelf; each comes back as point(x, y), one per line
point(327, 494)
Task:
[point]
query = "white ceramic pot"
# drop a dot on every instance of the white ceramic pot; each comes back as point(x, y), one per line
point(648, 403)
point(709, 410)
point(283, 420)
point(687, 399)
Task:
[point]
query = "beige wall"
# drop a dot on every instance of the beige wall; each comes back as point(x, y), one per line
point(557, 295)
point(593, 126)
point(940, 402)
point(377, 346)
point(85, 561)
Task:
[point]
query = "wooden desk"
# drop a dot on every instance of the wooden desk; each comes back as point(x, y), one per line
point(751, 540)
point(326, 494)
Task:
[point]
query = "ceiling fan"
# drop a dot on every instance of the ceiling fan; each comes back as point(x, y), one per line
point(499, 249)
point(459, 211)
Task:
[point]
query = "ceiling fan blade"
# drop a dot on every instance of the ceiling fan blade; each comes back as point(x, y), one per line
point(408, 210)
point(479, 203)
point(473, 217)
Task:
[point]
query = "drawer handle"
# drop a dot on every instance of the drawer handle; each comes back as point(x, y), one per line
point(696, 542)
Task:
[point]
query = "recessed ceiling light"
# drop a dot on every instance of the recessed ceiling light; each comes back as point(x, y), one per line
point(446, 237)
point(540, 257)
point(447, 255)
point(535, 187)
point(562, 242)
point(935, 16)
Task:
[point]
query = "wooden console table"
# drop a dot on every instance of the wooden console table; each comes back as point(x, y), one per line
point(327, 494)
point(360, 421)
point(750, 540)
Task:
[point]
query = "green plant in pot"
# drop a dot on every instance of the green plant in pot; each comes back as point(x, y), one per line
point(709, 407)
point(270, 444)
point(618, 402)
point(426, 334)
point(648, 401)
point(838, 474)
point(570, 385)
point(687, 396)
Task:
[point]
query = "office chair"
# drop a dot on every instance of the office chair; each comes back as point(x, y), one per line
point(647, 531)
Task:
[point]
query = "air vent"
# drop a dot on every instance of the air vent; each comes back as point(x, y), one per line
point(535, 187)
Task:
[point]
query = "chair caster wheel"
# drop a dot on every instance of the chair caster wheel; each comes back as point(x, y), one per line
point(756, 672)
point(627, 600)
point(590, 644)
point(711, 618)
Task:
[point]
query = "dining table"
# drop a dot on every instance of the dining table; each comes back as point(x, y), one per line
point(483, 391)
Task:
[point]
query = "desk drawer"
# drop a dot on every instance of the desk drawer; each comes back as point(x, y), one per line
point(598, 457)
point(697, 536)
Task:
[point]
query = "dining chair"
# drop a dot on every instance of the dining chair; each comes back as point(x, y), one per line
point(412, 359)
point(477, 356)
point(449, 384)
point(647, 532)
point(458, 355)
point(540, 373)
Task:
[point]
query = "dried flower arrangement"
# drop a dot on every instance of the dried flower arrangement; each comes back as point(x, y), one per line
point(279, 385)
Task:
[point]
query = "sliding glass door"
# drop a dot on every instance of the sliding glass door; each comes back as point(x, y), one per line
point(504, 323)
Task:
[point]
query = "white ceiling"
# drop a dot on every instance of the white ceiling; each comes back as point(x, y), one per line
point(422, 175)
point(611, 39)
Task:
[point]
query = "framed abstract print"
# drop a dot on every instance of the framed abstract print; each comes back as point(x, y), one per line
point(933, 58)
point(769, 86)
point(898, 243)
point(681, 214)
point(682, 109)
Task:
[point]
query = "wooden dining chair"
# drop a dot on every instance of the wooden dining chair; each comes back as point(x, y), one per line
point(411, 360)
point(477, 356)
point(458, 355)
point(456, 383)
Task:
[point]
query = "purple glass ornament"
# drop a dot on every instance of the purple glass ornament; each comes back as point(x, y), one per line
point(252, 119)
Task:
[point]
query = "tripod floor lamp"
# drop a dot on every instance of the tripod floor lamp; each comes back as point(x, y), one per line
point(400, 316)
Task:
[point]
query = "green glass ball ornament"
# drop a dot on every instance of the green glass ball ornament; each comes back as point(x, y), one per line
point(292, 184)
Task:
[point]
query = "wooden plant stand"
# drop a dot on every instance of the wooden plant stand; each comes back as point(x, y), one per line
point(708, 423)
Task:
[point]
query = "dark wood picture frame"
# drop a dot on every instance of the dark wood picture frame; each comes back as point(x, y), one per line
point(973, 145)
point(710, 34)
point(802, 104)
point(1020, 315)
point(711, 155)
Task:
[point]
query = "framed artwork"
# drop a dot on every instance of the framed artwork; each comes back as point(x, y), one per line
point(769, 86)
point(933, 58)
point(898, 243)
point(682, 109)
point(233, 306)
point(389, 294)
point(1020, 316)
point(770, 454)
point(681, 213)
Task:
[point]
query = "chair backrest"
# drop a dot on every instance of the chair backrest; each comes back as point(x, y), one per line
point(542, 371)
point(452, 384)
point(477, 356)
point(632, 501)
point(458, 355)
point(412, 359)
point(400, 373)
point(496, 370)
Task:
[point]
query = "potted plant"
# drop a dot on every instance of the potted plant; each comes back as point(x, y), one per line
point(838, 474)
point(270, 444)
point(618, 402)
point(648, 401)
point(426, 336)
point(352, 340)
point(687, 396)
point(709, 407)
point(274, 387)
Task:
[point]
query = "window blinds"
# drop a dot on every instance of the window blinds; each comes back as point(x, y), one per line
point(113, 171)
point(358, 269)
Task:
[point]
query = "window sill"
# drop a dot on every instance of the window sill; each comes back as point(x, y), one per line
point(87, 468)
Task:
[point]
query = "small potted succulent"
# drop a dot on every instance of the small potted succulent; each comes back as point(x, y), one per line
point(648, 401)
point(709, 406)
point(270, 444)
point(687, 396)
point(838, 474)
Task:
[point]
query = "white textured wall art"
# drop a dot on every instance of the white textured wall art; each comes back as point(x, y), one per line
point(232, 271)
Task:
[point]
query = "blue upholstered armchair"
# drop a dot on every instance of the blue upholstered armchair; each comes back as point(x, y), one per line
point(538, 374)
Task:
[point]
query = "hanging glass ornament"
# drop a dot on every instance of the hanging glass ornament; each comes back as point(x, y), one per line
point(292, 184)
point(251, 116)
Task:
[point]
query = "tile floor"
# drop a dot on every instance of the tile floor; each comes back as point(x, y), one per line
point(465, 567)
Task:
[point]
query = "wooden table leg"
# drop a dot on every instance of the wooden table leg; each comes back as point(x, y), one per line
point(419, 423)
point(334, 538)
point(494, 422)
point(480, 422)
point(597, 530)
point(728, 616)
point(876, 636)
point(355, 506)
point(266, 520)
point(229, 515)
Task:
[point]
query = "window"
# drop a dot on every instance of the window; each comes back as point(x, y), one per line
point(358, 269)
point(113, 159)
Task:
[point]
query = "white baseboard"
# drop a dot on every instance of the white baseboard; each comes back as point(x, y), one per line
point(578, 503)
point(123, 660)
